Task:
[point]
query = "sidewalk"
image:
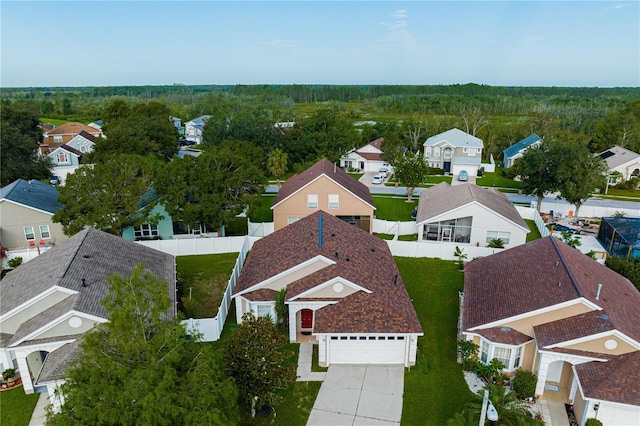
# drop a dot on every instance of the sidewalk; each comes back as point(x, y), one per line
point(304, 365)
point(39, 415)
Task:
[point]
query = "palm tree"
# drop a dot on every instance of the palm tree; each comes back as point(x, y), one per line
point(461, 255)
point(277, 163)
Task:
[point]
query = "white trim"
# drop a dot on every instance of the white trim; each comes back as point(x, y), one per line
point(328, 283)
point(36, 299)
point(286, 272)
point(312, 181)
point(561, 356)
point(590, 337)
point(56, 322)
point(576, 301)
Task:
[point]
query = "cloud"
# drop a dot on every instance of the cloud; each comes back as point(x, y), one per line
point(618, 6)
point(279, 44)
point(397, 31)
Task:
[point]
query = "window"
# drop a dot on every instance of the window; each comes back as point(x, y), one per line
point(44, 232)
point(264, 311)
point(436, 151)
point(61, 157)
point(492, 235)
point(503, 355)
point(484, 352)
point(28, 233)
point(427, 151)
point(465, 150)
point(291, 220)
point(472, 152)
point(83, 148)
point(146, 230)
point(348, 163)
point(312, 201)
point(447, 153)
point(57, 138)
point(334, 201)
point(516, 363)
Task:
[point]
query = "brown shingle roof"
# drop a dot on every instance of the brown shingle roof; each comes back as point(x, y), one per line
point(541, 274)
point(71, 150)
point(73, 128)
point(330, 170)
point(443, 197)
point(574, 327)
point(359, 257)
point(87, 135)
point(506, 335)
point(372, 156)
point(615, 380)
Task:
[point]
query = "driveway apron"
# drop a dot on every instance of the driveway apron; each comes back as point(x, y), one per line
point(359, 395)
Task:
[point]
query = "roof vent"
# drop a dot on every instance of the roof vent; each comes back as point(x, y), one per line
point(86, 256)
point(336, 255)
point(373, 249)
point(559, 284)
point(347, 259)
point(395, 279)
point(557, 263)
point(598, 292)
point(84, 283)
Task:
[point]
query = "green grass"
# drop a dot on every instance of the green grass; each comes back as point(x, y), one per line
point(615, 192)
point(434, 389)
point(315, 366)
point(204, 278)
point(394, 208)
point(53, 121)
point(434, 180)
point(535, 233)
point(16, 407)
point(356, 176)
point(497, 179)
point(262, 212)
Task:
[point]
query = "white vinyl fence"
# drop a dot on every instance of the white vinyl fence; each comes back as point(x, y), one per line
point(210, 329)
point(532, 214)
point(586, 210)
point(439, 249)
point(260, 229)
point(394, 227)
point(26, 254)
point(198, 245)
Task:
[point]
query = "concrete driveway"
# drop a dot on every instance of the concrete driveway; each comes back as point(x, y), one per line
point(359, 395)
point(455, 181)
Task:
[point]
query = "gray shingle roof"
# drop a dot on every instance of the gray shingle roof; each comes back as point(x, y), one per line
point(44, 318)
point(32, 193)
point(617, 156)
point(443, 197)
point(56, 362)
point(455, 137)
point(91, 255)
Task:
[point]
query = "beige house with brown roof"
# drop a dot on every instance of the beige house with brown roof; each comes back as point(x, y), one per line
point(548, 308)
point(65, 133)
point(323, 186)
point(468, 214)
point(343, 289)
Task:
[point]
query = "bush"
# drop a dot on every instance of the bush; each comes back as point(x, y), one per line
point(469, 353)
point(628, 268)
point(15, 262)
point(524, 383)
point(629, 185)
point(435, 171)
point(593, 422)
point(496, 243)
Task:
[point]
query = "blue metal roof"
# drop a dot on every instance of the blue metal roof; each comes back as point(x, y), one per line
point(32, 193)
point(516, 147)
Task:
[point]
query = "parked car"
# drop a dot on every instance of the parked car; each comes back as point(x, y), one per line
point(384, 171)
point(463, 176)
point(377, 179)
point(54, 180)
point(185, 142)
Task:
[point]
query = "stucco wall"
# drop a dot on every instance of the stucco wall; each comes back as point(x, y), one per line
point(598, 345)
point(296, 204)
point(525, 325)
point(14, 218)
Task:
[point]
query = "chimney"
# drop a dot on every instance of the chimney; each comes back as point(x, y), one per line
point(598, 292)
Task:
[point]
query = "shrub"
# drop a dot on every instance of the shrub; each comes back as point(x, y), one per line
point(496, 243)
point(15, 262)
point(469, 353)
point(630, 185)
point(593, 422)
point(488, 372)
point(435, 171)
point(524, 383)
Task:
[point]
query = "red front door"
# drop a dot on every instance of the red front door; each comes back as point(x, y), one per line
point(306, 316)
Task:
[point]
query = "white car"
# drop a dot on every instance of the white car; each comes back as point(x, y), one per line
point(384, 172)
point(377, 179)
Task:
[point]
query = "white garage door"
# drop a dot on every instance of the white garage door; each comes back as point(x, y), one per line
point(366, 350)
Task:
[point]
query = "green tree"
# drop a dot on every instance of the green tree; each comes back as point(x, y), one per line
point(20, 139)
point(109, 196)
point(411, 171)
point(282, 309)
point(277, 163)
point(256, 357)
point(538, 170)
point(628, 268)
point(215, 187)
point(139, 368)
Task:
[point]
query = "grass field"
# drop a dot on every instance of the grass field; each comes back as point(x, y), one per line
point(534, 234)
point(498, 180)
point(620, 193)
point(16, 407)
point(202, 280)
point(434, 389)
point(262, 212)
point(394, 208)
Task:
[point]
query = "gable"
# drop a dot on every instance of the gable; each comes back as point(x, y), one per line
point(369, 149)
point(11, 320)
point(336, 288)
point(483, 217)
point(68, 324)
point(612, 343)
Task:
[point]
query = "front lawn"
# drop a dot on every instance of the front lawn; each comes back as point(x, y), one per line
point(535, 233)
point(434, 389)
point(498, 180)
point(394, 208)
point(16, 407)
point(202, 280)
point(620, 193)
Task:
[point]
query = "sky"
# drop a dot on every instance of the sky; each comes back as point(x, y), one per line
point(498, 43)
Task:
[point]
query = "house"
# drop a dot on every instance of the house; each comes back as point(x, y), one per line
point(47, 304)
point(96, 125)
point(64, 134)
point(620, 236)
point(453, 151)
point(547, 308)
point(323, 186)
point(65, 156)
point(177, 122)
point(365, 159)
point(517, 150)
point(163, 230)
point(26, 209)
point(343, 289)
point(623, 161)
point(193, 129)
point(468, 214)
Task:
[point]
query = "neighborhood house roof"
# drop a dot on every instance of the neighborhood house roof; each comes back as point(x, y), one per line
point(331, 171)
point(87, 136)
point(88, 257)
point(72, 128)
point(442, 198)
point(617, 156)
point(357, 257)
point(518, 146)
point(32, 193)
point(456, 138)
point(372, 156)
point(615, 380)
point(549, 272)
